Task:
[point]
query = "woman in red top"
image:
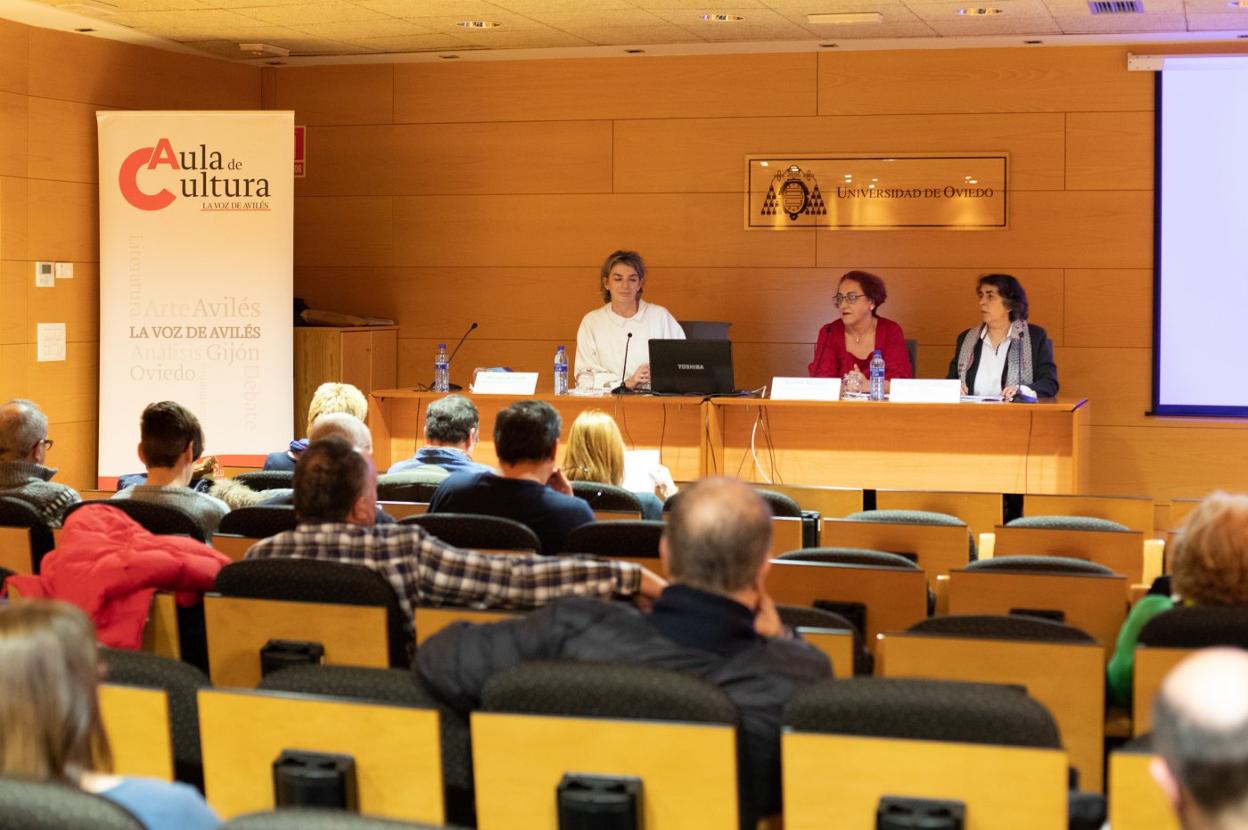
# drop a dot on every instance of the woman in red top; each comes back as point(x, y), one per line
point(845, 346)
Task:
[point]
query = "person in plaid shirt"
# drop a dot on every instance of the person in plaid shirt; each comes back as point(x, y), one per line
point(335, 503)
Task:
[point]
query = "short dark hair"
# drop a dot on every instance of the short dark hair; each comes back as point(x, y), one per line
point(330, 476)
point(166, 429)
point(1208, 760)
point(1011, 291)
point(872, 287)
point(526, 431)
point(718, 536)
point(451, 420)
point(630, 258)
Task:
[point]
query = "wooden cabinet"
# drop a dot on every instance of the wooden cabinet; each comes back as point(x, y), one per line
point(364, 356)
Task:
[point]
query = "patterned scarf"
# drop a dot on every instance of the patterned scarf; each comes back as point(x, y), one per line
point(1018, 371)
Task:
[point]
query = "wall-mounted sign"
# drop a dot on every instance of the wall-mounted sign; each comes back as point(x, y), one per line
point(963, 192)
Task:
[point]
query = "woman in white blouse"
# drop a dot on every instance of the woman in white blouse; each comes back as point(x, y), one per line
point(603, 337)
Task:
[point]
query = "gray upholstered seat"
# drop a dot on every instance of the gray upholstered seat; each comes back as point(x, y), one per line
point(34, 805)
point(1067, 523)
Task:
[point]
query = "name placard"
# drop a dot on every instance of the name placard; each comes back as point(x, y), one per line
point(805, 389)
point(924, 390)
point(505, 383)
point(861, 192)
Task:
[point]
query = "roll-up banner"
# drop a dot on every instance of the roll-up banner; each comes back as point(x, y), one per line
point(196, 257)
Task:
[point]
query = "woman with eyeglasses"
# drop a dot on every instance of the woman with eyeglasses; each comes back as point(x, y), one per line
point(845, 345)
point(1005, 354)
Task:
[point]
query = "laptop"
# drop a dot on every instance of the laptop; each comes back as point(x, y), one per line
point(691, 367)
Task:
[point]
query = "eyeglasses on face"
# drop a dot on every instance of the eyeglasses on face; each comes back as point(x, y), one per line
point(851, 298)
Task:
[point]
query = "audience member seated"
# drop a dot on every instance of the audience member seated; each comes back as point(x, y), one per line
point(1209, 567)
point(1200, 732)
point(171, 442)
point(108, 565)
point(715, 621)
point(531, 489)
point(50, 728)
point(328, 397)
point(333, 425)
point(24, 446)
point(596, 453)
point(451, 433)
point(336, 503)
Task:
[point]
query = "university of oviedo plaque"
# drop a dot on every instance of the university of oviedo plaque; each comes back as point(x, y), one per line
point(860, 192)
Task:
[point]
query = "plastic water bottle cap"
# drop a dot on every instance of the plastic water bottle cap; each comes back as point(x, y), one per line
point(559, 349)
point(441, 345)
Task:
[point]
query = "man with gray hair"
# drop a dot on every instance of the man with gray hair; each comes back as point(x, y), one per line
point(715, 621)
point(451, 433)
point(24, 446)
point(1200, 732)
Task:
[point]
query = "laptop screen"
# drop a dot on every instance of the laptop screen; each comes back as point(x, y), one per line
point(691, 367)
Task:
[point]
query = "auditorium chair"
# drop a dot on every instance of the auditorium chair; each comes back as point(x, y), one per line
point(394, 687)
point(1060, 666)
point(1080, 537)
point(916, 517)
point(261, 480)
point(847, 744)
point(1084, 594)
point(300, 819)
point(636, 540)
point(258, 522)
point(606, 496)
point(349, 610)
point(180, 682)
point(430, 619)
point(834, 635)
point(608, 719)
point(981, 511)
point(161, 519)
point(410, 486)
point(37, 805)
point(24, 536)
point(136, 721)
point(1171, 636)
point(395, 749)
point(1130, 512)
point(791, 528)
point(1136, 801)
point(826, 501)
point(474, 532)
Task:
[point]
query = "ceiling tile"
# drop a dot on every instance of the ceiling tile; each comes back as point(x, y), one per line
point(163, 5)
point(333, 11)
point(948, 9)
point(318, 46)
point(701, 6)
point(597, 18)
point(633, 35)
point(999, 25)
point(1217, 21)
point(361, 30)
point(915, 28)
point(1090, 23)
point(758, 24)
point(409, 43)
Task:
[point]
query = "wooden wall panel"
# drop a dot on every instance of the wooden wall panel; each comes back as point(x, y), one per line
point(67, 149)
point(13, 308)
point(1109, 307)
point(711, 86)
point(708, 155)
point(1168, 462)
point(74, 302)
point(13, 119)
point(71, 67)
point(1058, 229)
point(335, 94)
point(63, 221)
point(66, 390)
point(14, 45)
point(566, 157)
point(14, 234)
point(1076, 79)
point(1109, 151)
point(356, 231)
point(75, 451)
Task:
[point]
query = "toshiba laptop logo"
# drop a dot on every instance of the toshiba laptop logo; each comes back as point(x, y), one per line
point(691, 367)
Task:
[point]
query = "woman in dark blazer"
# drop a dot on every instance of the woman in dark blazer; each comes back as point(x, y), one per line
point(1004, 355)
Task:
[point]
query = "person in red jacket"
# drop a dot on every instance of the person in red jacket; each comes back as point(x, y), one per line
point(109, 566)
point(845, 345)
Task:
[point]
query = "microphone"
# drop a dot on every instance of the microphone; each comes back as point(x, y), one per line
point(455, 387)
point(622, 389)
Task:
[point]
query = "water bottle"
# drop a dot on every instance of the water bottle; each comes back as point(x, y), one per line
point(877, 376)
point(441, 370)
point(561, 371)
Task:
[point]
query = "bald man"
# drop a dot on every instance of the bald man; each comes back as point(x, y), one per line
point(1200, 730)
point(715, 621)
point(24, 446)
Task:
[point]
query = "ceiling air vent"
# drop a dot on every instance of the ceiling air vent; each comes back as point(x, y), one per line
point(1116, 6)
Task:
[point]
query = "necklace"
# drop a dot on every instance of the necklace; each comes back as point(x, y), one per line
point(858, 337)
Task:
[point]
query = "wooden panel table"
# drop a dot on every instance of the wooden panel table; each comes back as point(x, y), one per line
point(1014, 448)
point(672, 425)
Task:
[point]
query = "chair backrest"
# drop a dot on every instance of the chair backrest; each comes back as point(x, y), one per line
point(258, 522)
point(1062, 669)
point(1135, 800)
point(835, 502)
point(981, 511)
point(1122, 551)
point(780, 504)
point(261, 480)
point(912, 351)
point(1041, 565)
point(1067, 523)
point(851, 556)
point(181, 682)
point(24, 536)
point(603, 496)
point(308, 819)
point(594, 717)
point(1094, 602)
point(36, 805)
point(467, 530)
point(411, 486)
point(396, 750)
point(632, 539)
point(705, 329)
point(1132, 512)
point(938, 547)
point(161, 519)
point(312, 581)
point(836, 636)
point(136, 721)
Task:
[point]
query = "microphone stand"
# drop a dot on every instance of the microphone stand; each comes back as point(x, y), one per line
point(455, 387)
point(622, 389)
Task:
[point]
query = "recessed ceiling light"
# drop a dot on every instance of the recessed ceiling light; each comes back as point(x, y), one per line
point(1033, 42)
point(844, 18)
point(84, 31)
point(721, 18)
point(276, 63)
point(449, 57)
point(635, 51)
point(478, 24)
point(829, 45)
point(978, 12)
